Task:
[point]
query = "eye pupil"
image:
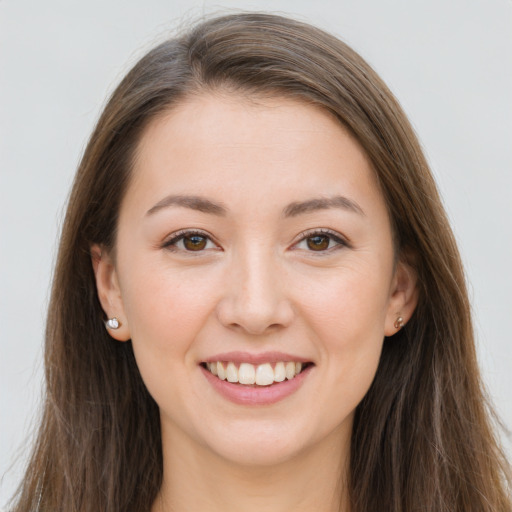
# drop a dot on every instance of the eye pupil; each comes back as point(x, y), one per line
point(318, 242)
point(194, 242)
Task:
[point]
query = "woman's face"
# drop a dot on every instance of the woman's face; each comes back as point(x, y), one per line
point(253, 234)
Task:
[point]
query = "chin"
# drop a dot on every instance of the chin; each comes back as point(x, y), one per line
point(266, 444)
point(260, 453)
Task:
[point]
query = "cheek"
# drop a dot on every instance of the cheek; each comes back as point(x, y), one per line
point(165, 310)
point(350, 299)
point(346, 314)
point(165, 301)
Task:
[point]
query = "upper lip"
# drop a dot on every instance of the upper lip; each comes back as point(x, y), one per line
point(263, 357)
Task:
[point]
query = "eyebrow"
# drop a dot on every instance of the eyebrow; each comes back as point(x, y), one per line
point(198, 203)
point(294, 209)
point(322, 203)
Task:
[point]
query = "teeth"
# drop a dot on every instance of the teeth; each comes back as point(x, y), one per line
point(264, 375)
point(231, 373)
point(290, 370)
point(221, 373)
point(248, 374)
point(279, 372)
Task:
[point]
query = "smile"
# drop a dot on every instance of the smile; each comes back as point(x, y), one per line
point(249, 374)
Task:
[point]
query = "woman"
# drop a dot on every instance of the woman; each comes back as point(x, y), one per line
point(258, 301)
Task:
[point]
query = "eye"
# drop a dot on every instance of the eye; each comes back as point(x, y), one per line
point(190, 241)
point(318, 242)
point(321, 241)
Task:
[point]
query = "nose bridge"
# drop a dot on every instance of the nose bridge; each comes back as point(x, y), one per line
point(259, 283)
point(255, 298)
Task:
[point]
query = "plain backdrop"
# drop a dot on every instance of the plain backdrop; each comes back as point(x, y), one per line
point(449, 62)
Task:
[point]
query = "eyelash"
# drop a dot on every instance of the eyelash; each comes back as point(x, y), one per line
point(340, 241)
point(181, 235)
point(333, 235)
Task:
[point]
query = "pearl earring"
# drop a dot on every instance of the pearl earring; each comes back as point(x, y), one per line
point(112, 323)
point(399, 323)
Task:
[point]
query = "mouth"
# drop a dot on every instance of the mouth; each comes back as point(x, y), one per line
point(252, 375)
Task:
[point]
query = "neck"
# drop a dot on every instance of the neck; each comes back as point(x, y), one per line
point(198, 479)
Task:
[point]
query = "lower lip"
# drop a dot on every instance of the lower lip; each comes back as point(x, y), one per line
point(256, 395)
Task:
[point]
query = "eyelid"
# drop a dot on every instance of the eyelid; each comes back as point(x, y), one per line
point(340, 239)
point(172, 239)
point(175, 237)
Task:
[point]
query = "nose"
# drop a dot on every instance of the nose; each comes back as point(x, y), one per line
point(255, 299)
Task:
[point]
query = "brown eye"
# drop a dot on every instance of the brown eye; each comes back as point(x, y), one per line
point(318, 242)
point(194, 242)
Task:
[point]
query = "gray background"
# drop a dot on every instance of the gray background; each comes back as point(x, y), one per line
point(448, 61)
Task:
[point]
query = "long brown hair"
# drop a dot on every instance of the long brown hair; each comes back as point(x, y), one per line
point(423, 437)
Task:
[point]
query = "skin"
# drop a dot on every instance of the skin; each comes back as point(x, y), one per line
point(256, 286)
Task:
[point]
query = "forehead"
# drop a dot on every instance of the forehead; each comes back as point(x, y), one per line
point(260, 148)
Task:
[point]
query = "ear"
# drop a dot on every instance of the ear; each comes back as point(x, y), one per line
point(109, 293)
point(403, 298)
